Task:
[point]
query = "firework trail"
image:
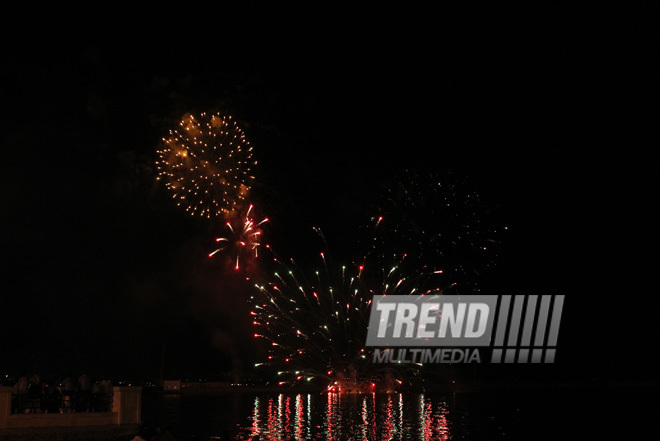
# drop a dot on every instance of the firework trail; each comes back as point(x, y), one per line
point(315, 325)
point(430, 236)
point(243, 238)
point(206, 164)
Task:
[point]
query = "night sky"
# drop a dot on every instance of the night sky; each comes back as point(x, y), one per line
point(549, 113)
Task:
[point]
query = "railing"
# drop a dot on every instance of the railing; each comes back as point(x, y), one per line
point(67, 402)
point(124, 410)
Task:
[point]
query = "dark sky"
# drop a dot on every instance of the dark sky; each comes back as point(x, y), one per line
point(548, 112)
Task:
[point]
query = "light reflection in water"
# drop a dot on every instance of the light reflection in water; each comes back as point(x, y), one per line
point(400, 411)
point(256, 420)
point(332, 423)
point(298, 425)
point(359, 417)
point(369, 417)
point(387, 428)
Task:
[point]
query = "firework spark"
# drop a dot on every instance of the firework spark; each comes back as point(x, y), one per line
point(243, 238)
point(443, 224)
point(427, 238)
point(206, 164)
point(316, 325)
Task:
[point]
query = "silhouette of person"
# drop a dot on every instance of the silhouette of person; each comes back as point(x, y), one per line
point(106, 393)
point(68, 394)
point(22, 393)
point(52, 398)
point(83, 392)
point(35, 392)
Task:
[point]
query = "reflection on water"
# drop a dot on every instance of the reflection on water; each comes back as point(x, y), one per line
point(340, 417)
point(305, 416)
point(498, 414)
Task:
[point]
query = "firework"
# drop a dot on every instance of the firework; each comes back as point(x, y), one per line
point(430, 236)
point(206, 164)
point(315, 325)
point(443, 225)
point(243, 238)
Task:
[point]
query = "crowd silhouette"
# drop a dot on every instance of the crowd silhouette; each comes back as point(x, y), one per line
point(30, 394)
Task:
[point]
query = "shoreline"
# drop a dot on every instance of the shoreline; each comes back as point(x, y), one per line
point(433, 388)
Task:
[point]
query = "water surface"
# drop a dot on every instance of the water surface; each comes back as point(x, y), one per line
point(494, 415)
